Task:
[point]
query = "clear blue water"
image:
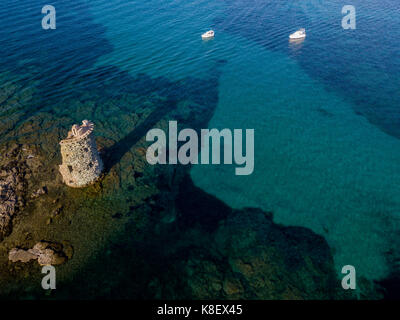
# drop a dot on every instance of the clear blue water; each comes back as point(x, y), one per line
point(325, 111)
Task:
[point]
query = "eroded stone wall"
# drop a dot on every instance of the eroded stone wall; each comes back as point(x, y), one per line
point(82, 164)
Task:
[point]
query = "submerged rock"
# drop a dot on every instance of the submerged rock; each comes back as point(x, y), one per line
point(8, 203)
point(39, 192)
point(267, 260)
point(250, 257)
point(21, 255)
point(11, 186)
point(46, 253)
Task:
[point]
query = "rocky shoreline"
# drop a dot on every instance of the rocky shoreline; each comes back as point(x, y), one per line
point(142, 231)
point(14, 170)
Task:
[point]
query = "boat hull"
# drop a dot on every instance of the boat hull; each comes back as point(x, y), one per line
point(296, 37)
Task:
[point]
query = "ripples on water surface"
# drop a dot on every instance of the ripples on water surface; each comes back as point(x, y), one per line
point(326, 111)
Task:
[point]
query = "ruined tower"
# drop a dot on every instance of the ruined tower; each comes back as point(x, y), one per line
point(81, 163)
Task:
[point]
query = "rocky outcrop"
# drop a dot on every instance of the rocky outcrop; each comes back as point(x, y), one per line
point(8, 202)
point(46, 253)
point(21, 255)
point(12, 187)
point(81, 164)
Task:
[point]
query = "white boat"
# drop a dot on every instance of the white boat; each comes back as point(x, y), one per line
point(208, 35)
point(299, 34)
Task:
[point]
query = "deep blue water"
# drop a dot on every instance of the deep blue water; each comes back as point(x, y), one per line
point(326, 111)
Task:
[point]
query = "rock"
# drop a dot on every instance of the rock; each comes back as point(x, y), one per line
point(46, 253)
point(56, 212)
point(39, 192)
point(21, 255)
point(250, 257)
point(8, 203)
point(68, 249)
point(12, 187)
point(5, 226)
point(50, 257)
point(141, 151)
point(232, 287)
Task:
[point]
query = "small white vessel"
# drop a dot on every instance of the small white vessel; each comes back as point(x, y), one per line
point(208, 35)
point(299, 34)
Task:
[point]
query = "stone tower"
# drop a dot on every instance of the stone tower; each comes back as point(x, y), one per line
point(81, 163)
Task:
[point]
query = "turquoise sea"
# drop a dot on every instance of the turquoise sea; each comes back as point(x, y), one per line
point(326, 111)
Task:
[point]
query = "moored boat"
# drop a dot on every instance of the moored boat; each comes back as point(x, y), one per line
point(208, 35)
point(299, 34)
